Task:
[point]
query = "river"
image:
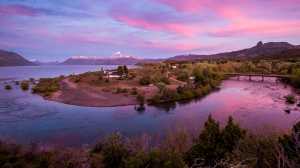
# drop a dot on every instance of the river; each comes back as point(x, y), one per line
point(257, 106)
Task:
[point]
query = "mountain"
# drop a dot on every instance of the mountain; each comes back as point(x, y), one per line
point(13, 59)
point(46, 63)
point(259, 50)
point(126, 60)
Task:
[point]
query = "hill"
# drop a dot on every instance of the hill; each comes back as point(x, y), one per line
point(83, 60)
point(260, 50)
point(13, 59)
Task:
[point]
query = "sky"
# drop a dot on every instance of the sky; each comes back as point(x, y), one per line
point(50, 30)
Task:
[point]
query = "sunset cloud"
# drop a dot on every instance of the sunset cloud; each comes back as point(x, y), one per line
point(147, 28)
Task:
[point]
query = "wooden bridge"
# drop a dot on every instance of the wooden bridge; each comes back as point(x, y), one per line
point(258, 75)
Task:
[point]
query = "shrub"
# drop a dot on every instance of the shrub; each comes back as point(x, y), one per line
point(24, 85)
point(7, 87)
point(114, 151)
point(47, 86)
point(165, 80)
point(290, 99)
point(141, 99)
point(77, 79)
point(145, 80)
point(121, 90)
point(156, 159)
point(134, 91)
point(295, 80)
point(182, 76)
point(167, 95)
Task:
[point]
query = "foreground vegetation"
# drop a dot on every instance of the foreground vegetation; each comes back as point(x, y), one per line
point(218, 147)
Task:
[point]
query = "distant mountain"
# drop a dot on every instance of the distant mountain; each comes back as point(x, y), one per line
point(13, 59)
point(260, 50)
point(126, 60)
point(46, 63)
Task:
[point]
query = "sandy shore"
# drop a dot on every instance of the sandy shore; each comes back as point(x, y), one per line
point(86, 95)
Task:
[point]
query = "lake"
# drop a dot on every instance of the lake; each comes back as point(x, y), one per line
point(258, 106)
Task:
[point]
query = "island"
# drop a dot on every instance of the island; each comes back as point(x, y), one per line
point(150, 83)
point(157, 83)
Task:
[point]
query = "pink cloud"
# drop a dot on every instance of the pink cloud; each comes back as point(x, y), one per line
point(179, 28)
point(259, 27)
point(18, 10)
point(185, 5)
point(237, 18)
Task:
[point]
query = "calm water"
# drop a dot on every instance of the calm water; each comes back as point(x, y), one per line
point(26, 72)
point(257, 106)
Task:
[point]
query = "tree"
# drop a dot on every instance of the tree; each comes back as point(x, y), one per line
point(207, 144)
point(213, 143)
point(161, 87)
point(125, 70)
point(291, 145)
point(114, 151)
point(296, 78)
point(231, 135)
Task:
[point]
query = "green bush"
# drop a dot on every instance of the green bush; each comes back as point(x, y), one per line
point(145, 80)
point(167, 95)
point(113, 151)
point(7, 87)
point(290, 99)
point(121, 90)
point(141, 99)
point(295, 80)
point(134, 91)
point(47, 86)
point(182, 76)
point(24, 85)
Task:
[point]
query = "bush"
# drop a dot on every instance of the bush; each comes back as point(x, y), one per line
point(290, 99)
point(295, 80)
point(167, 95)
point(156, 159)
point(165, 80)
point(24, 85)
point(145, 80)
point(182, 76)
point(121, 90)
point(141, 99)
point(113, 151)
point(47, 86)
point(134, 91)
point(7, 87)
